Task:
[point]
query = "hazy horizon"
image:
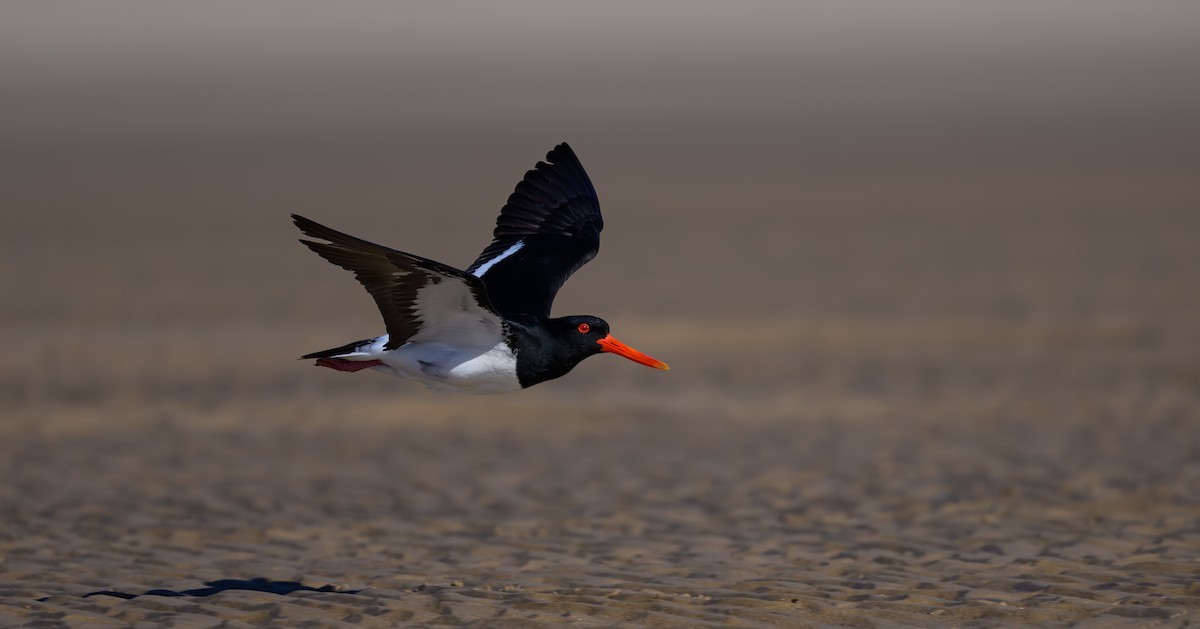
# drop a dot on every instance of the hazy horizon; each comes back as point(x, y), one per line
point(121, 71)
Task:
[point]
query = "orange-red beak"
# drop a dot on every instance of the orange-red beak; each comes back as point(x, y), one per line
point(609, 344)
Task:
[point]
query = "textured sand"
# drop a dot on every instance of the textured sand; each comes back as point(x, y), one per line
point(956, 393)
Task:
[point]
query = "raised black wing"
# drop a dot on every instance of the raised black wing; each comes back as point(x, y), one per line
point(548, 229)
point(420, 299)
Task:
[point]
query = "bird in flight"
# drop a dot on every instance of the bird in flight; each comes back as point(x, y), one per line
point(487, 329)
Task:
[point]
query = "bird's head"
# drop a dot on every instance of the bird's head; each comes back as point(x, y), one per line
point(590, 335)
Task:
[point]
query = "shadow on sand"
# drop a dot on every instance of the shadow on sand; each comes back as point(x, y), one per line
point(222, 585)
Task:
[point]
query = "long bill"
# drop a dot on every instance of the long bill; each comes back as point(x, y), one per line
point(611, 345)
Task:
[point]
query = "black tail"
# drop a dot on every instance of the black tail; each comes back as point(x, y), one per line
point(338, 351)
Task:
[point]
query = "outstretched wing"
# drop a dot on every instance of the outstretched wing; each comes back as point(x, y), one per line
point(420, 299)
point(548, 229)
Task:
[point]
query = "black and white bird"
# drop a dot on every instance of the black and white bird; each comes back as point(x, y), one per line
point(487, 329)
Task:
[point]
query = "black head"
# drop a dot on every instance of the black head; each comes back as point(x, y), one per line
point(581, 331)
point(566, 341)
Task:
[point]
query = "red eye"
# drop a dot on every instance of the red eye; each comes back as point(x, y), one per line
point(583, 328)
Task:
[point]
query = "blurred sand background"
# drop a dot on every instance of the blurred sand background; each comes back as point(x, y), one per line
point(926, 274)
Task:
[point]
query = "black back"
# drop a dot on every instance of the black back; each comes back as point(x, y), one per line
point(555, 216)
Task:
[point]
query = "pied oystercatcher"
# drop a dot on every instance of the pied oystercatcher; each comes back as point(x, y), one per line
point(487, 329)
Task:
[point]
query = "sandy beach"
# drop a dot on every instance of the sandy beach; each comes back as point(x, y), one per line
point(954, 418)
point(926, 369)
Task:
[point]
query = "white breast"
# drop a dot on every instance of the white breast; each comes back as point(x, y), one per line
point(452, 368)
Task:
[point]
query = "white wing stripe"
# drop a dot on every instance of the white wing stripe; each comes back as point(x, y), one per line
point(504, 254)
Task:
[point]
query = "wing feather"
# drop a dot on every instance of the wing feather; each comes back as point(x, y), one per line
point(419, 298)
point(555, 213)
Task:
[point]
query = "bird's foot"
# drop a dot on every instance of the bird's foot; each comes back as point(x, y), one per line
point(341, 364)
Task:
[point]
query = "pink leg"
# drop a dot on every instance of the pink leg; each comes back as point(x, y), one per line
point(341, 364)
